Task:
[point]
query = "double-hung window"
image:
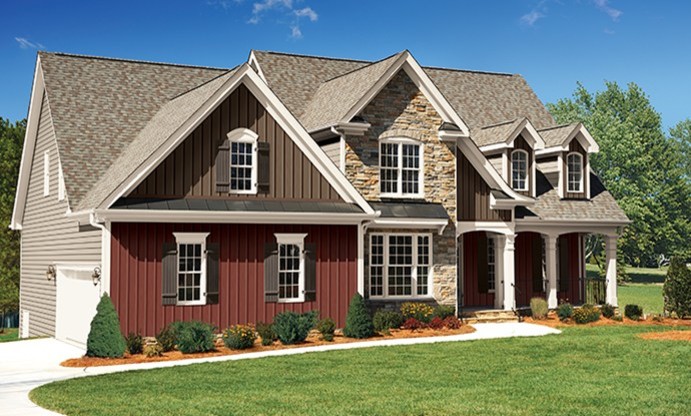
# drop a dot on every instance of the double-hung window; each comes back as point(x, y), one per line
point(191, 280)
point(574, 169)
point(400, 168)
point(519, 170)
point(291, 267)
point(400, 265)
point(243, 161)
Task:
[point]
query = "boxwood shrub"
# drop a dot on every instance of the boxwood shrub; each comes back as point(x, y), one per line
point(385, 320)
point(195, 336)
point(291, 327)
point(607, 310)
point(564, 311)
point(633, 312)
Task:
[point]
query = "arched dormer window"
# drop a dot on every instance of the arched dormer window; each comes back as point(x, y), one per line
point(574, 172)
point(243, 161)
point(400, 168)
point(519, 170)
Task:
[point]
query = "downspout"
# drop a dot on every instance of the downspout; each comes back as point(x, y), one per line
point(341, 150)
point(105, 251)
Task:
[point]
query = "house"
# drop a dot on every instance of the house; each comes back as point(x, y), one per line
point(291, 182)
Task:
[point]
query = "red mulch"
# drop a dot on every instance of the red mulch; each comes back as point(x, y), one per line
point(667, 336)
point(554, 322)
point(312, 340)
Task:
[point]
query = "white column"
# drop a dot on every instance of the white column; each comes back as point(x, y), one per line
point(361, 259)
point(509, 276)
point(551, 270)
point(611, 249)
point(499, 272)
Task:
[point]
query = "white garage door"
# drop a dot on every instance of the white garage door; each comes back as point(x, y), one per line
point(76, 302)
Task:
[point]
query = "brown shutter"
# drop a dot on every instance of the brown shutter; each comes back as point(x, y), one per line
point(482, 275)
point(310, 272)
point(270, 272)
point(212, 250)
point(537, 264)
point(563, 264)
point(223, 167)
point(263, 167)
point(170, 273)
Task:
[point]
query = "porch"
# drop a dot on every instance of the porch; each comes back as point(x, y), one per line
point(503, 269)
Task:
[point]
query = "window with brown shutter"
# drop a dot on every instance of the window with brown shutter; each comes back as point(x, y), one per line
point(212, 273)
point(223, 167)
point(310, 272)
point(170, 273)
point(263, 167)
point(271, 272)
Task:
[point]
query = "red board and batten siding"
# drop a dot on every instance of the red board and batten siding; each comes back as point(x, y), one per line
point(472, 296)
point(136, 274)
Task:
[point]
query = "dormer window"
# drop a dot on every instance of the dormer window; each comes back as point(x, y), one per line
point(243, 161)
point(574, 173)
point(400, 168)
point(519, 170)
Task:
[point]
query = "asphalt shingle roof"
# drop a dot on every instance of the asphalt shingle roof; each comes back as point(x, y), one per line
point(495, 133)
point(555, 136)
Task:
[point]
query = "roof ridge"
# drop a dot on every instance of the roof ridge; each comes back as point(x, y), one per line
point(362, 67)
point(501, 123)
point(473, 71)
point(135, 61)
point(315, 56)
point(559, 126)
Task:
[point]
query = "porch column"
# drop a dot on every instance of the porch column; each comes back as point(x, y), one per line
point(611, 264)
point(508, 274)
point(551, 270)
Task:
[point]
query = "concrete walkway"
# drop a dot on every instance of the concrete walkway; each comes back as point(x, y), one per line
point(25, 365)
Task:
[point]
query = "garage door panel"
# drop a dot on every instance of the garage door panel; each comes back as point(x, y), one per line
point(77, 298)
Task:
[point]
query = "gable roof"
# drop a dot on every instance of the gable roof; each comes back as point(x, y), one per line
point(560, 136)
point(100, 105)
point(495, 133)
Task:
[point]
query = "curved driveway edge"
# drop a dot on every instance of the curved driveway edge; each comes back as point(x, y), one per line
point(25, 365)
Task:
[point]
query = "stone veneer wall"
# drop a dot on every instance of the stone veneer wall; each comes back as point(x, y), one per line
point(402, 110)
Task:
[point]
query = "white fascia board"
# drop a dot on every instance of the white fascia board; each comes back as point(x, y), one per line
point(498, 227)
point(422, 81)
point(489, 173)
point(451, 136)
point(276, 109)
point(559, 227)
point(353, 128)
point(494, 147)
point(37, 90)
point(586, 140)
point(254, 64)
point(536, 141)
point(551, 151)
point(226, 217)
point(412, 223)
point(501, 203)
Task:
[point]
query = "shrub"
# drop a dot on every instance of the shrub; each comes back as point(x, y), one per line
point(677, 288)
point(135, 343)
point(168, 336)
point(633, 312)
point(617, 318)
point(657, 317)
point(358, 321)
point(239, 337)
point(420, 311)
point(105, 339)
point(586, 314)
point(195, 336)
point(538, 308)
point(386, 320)
point(452, 322)
point(564, 311)
point(436, 323)
point(153, 350)
point(327, 327)
point(443, 311)
point(413, 324)
point(607, 310)
point(266, 332)
point(291, 327)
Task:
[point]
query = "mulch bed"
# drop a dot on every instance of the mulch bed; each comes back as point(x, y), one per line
point(667, 336)
point(312, 340)
point(554, 322)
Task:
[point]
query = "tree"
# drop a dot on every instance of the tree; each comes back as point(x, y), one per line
point(11, 139)
point(677, 288)
point(358, 320)
point(640, 166)
point(105, 339)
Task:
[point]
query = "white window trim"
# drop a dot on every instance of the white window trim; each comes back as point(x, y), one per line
point(243, 135)
point(192, 238)
point(399, 184)
point(299, 240)
point(568, 171)
point(46, 173)
point(527, 173)
point(414, 266)
point(61, 184)
point(494, 243)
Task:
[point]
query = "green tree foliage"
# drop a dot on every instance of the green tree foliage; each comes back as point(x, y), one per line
point(11, 139)
point(681, 135)
point(677, 288)
point(358, 321)
point(105, 339)
point(640, 166)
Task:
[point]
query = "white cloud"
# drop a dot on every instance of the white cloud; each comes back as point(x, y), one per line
point(604, 6)
point(284, 12)
point(307, 12)
point(295, 32)
point(266, 5)
point(24, 43)
point(529, 19)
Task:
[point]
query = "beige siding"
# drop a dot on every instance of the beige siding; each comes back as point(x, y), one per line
point(497, 162)
point(48, 236)
point(333, 151)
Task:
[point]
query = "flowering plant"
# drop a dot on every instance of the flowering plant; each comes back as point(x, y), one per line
point(420, 311)
point(239, 337)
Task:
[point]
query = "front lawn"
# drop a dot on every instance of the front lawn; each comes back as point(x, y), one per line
point(598, 370)
point(9, 334)
point(648, 296)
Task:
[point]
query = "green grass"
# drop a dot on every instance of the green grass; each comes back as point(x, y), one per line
point(648, 296)
point(636, 274)
point(584, 371)
point(10, 334)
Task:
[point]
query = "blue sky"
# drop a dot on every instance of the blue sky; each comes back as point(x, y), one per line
point(552, 43)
